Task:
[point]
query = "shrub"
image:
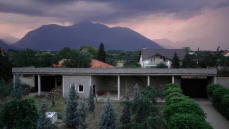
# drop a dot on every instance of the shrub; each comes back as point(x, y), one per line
point(136, 92)
point(172, 90)
point(175, 94)
point(218, 95)
point(226, 100)
point(184, 107)
point(19, 114)
point(152, 94)
point(43, 121)
point(17, 91)
point(171, 85)
point(161, 65)
point(211, 88)
point(125, 116)
point(91, 101)
point(178, 100)
point(187, 121)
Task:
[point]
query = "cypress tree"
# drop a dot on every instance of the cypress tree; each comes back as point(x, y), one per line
point(17, 91)
point(136, 92)
point(101, 53)
point(91, 101)
point(175, 61)
point(125, 117)
point(72, 113)
point(43, 121)
point(108, 117)
point(83, 114)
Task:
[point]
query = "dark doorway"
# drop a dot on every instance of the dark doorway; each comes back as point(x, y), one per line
point(194, 87)
point(94, 90)
point(47, 83)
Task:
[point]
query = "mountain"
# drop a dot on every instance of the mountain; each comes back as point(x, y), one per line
point(55, 37)
point(8, 39)
point(6, 46)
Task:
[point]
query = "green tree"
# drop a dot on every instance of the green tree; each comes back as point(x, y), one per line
point(5, 68)
point(126, 111)
point(19, 114)
point(72, 113)
point(91, 50)
point(83, 113)
point(26, 58)
point(5, 88)
point(43, 121)
point(17, 91)
point(161, 65)
point(175, 61)
point(91, 101)
point(101, 53)
point(188, 61)
point(136, 92)
point(108, 117)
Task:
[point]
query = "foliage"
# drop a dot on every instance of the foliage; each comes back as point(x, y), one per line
point(211, 87)
point(19, 114)
point(72, 114)
point(175, 61)
point(91, 50)
point(101, 53)
point(176, 99)
point(152, 94)
point(5, 68)
point(136, 92)
point(175, 94)
point(187, 121)
point(172, 90)
point(188, 61)
point(183, 107)
point(5, 89)
point(91, 101)
point(224, 72)
point(108, 117)
point(161, 65)
point(126, 111)
point(17, 91)
point(171, 85)
point(43, 121)
point(83, 113)
point(225, 100)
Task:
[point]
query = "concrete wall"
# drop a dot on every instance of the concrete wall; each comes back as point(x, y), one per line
point(78, 80)
point(98, 82)
point(158, 82)
point(224, 81)
point(28, 79)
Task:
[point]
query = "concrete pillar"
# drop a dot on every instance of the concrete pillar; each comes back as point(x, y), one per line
point(118, 87)
point(14, 77)
point(148, 80)
point(39, 85)
point(215, 80)
point(172, 79)
point(63, 84)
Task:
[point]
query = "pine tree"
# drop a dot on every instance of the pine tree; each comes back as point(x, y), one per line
point(101, 53)
point(125, 117)
point(136, 92)
point(175, 61)
point(17, 92)
point(83, 113)
point(108, 117)
point(91, 101)
point(72, 113)
point(43, 121)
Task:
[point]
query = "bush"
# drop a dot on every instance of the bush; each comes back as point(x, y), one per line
point(226, 100)
point(171, 85)
point(178, 100)
point(19, 114)
point(175, 94)
point(172, 90)
point(184, 107)
point(211, 88)
point(187, 121)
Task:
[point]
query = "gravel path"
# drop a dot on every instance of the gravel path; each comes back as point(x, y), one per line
point(213, 116)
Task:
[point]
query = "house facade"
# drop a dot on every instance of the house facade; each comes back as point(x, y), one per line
point(150, 58)
point(192, 81)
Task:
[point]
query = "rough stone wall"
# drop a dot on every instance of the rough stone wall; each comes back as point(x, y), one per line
point(78, 80)
point(29, 80)
point(158, 82)
point(224, 81)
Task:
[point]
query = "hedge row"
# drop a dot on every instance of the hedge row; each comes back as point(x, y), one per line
point(220, 98)
point(181, 111)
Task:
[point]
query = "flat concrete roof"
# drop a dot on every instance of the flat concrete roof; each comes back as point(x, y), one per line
point(117, 71)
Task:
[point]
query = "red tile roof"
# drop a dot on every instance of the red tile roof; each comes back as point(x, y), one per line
point(60, 63)
point(225, 52)
point(98, 64)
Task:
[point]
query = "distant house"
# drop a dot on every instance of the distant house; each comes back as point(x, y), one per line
point(98, 64)
point(60, 63)
point(150, 58)
point(226, 53)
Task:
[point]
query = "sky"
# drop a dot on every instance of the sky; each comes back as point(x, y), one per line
point(197, 24)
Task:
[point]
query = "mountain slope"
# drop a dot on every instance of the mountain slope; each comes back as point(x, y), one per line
point(54, 37)
point(6, 46)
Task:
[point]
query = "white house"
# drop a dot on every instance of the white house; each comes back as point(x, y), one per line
point(152, 57)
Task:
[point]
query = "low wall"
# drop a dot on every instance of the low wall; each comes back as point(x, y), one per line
point(224, 81)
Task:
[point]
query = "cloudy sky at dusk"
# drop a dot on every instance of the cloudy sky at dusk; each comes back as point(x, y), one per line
point(194, 23)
